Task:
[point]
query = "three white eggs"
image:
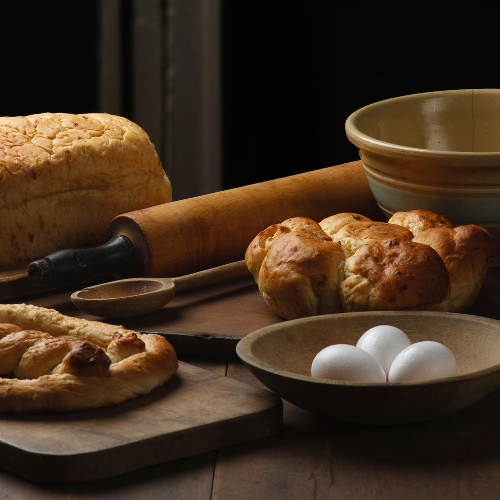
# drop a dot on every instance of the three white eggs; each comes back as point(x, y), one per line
point(384, 353)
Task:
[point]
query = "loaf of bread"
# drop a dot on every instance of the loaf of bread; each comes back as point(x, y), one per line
point(56, 363)
point(418, 261)
point(64, 177)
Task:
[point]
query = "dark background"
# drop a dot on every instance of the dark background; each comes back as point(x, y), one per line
point(49, 57)
point(293, 71)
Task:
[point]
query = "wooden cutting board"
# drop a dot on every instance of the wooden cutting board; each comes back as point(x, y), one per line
point(183, 418)
point(14, 281)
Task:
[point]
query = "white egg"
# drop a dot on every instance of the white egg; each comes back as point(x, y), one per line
point(384, 343)
point(347, 362)
point(423, 361)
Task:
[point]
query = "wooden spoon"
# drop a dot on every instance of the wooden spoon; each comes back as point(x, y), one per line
point(137, 296)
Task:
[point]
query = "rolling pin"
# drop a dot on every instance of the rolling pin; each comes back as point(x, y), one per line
point(189, 235)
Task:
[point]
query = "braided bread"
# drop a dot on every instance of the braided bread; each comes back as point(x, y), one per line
point(55, 363)
point(418, 260)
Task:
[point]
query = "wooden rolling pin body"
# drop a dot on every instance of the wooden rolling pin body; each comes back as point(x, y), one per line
point(185, 236)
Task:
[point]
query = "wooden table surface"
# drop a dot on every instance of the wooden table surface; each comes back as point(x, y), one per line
point(454, 457)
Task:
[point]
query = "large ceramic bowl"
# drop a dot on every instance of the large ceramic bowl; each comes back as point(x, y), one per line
point(438, 151)
point(280, 356)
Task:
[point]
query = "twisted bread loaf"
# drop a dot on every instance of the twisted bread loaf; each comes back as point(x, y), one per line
point(64, 177)
point(68, 364)
point(418, 260)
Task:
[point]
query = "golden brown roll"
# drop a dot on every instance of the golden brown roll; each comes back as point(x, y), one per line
point(258, 248)
point(297, 268)
point(467, 252)
point(64, 177)
point(301, 273)
point(298, 223)
point(418, 221)
point(374, 265)
point(353, 236)
point(56, 363)
point(392, 275)
point(333, 224)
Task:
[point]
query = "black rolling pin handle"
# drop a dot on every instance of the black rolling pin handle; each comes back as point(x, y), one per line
point(67, 268)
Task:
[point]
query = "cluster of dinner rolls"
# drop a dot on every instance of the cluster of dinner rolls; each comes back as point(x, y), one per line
point(417, 260)
point(55, 363)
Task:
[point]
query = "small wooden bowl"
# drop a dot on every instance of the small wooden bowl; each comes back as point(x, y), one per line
point(280, 356)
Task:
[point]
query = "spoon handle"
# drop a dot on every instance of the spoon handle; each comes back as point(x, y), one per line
point(227, 272)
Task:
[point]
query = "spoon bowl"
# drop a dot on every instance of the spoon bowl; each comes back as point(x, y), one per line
point(126, 288)
point(138, 296)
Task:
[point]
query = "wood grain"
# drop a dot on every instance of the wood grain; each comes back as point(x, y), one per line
point(193, 111)
point(181, 419)
point(207, 231)
point(317, 459)
point(129, 298)
point(111, 58)
point(210, 321)
point(207, 321)
point(190, 235)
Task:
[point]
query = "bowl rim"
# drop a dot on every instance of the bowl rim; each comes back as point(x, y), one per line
point(398, 152)
point(243, 350)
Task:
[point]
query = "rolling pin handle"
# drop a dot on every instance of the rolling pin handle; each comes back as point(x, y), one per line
point(70, 267)
point(40, 272)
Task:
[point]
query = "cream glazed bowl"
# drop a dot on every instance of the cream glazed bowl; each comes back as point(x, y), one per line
point(438, 151)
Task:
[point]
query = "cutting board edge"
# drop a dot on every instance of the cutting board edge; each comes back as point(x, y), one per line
point(261, 416)
point(78, 468)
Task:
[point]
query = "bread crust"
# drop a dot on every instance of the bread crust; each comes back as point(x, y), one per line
point(418, 221)
point(297, 267)
point(355, 235)
point(383, 266)
point(260, 245)
point(64, 177)
point(333, 224)
point(301, 273)
point(467, 252)
point(298, 223)
point(84, 376)
point(394, 275)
